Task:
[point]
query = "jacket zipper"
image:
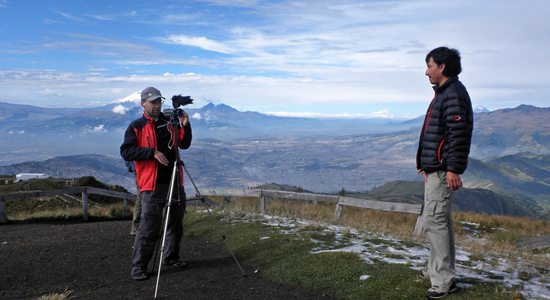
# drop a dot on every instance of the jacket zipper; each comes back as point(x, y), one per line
point(439, 150)
point(428, 115)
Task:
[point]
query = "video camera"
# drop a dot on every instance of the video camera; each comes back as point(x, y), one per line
point(177, 102)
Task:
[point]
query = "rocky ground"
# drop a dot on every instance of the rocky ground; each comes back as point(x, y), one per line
point(93, 261)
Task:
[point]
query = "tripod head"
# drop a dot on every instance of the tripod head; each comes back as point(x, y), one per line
point(178, 101)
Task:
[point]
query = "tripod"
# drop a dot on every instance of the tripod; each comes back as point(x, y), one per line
point(203, 201)
point(175, 181)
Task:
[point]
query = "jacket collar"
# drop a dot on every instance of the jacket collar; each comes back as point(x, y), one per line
point(450, 80)
point(149, 119)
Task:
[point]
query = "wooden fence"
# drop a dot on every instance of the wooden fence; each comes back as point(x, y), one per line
point(536, 242)
point(339, 201)
point(84, 190)
point(528, 243)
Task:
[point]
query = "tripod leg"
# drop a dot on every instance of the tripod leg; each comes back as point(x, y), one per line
point(210, 213)
point(157, 245)
point(167, 216)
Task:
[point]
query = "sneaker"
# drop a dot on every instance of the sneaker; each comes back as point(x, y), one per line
point(435, 293)
point(132, 233)
point(454, 288)
point(178, 264)
point(140, 276)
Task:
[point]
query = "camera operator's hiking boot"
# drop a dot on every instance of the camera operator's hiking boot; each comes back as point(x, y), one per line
point(140, 276)
point(438, 293)
point(176, 264)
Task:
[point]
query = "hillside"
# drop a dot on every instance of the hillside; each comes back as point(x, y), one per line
point(524, 174)
point(315, 159)
point(100, 130)
point(466, 199)
point(502, 186)
point(107, 169)
point(510, 131)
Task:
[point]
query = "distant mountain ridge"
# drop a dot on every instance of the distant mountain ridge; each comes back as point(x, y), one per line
point(496, 193)
point(524, 176)
point(509, 157)
point(466, 199)
point(212, 121)
point(108, 169)
point(512, 130)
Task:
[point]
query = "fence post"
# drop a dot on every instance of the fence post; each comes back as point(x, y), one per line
point(262, 203)
point(338, 211)
point(419, 222)
point(3, 217)
point(85, 205)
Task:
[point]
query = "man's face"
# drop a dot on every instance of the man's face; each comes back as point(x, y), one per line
point(152, 108)
point(435, 72)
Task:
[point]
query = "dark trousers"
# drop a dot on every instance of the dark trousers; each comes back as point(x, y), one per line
point(136, 216)
point(149, 230)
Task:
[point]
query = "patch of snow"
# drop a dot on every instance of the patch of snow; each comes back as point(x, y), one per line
point(372, 247)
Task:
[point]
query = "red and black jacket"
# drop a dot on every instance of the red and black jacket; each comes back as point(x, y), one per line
point(140, 143)
point(447, 132)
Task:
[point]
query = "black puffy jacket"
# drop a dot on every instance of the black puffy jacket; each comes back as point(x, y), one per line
point(447, 132)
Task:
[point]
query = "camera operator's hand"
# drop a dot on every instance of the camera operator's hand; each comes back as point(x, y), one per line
point(184, 119)
point(159, 156)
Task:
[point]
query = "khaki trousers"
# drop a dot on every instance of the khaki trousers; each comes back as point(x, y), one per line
point(438, 226)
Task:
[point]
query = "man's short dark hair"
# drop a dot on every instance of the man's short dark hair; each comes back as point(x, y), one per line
point(449, 57)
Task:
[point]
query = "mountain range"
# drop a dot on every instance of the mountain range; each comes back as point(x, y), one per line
point(30, 133)
point(465, 199)
point(233, 149)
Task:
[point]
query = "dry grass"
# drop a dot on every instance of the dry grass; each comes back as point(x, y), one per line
point(116, 210)
point(501, 234)
point(497, 234)
point(56, 296)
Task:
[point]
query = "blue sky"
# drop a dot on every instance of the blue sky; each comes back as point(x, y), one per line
point(345, 58)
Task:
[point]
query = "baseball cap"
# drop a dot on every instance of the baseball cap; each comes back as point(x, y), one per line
point(150, 94)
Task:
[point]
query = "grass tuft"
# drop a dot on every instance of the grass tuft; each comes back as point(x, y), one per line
point(56, 296)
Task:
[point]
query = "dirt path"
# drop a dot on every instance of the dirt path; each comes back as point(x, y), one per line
point(93, 260)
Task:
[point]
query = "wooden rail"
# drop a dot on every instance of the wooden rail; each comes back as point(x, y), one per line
point(85, 190)
point(263, 195)
point(537, 242)
point(339, 201)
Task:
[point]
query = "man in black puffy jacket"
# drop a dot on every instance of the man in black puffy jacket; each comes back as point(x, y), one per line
point(442, 156)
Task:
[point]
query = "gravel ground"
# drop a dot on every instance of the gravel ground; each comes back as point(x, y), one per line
point(93, 261)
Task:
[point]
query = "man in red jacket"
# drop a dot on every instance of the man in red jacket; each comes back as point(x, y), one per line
point(150, 143)
point(442, 156)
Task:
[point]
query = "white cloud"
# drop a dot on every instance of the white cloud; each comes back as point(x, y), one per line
point(199, 42)
point(70, 16)
point(327, 54)
point(383, 114)
point(196, 116)
point(99, 128)
point(120, 109)
point(18, 132)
